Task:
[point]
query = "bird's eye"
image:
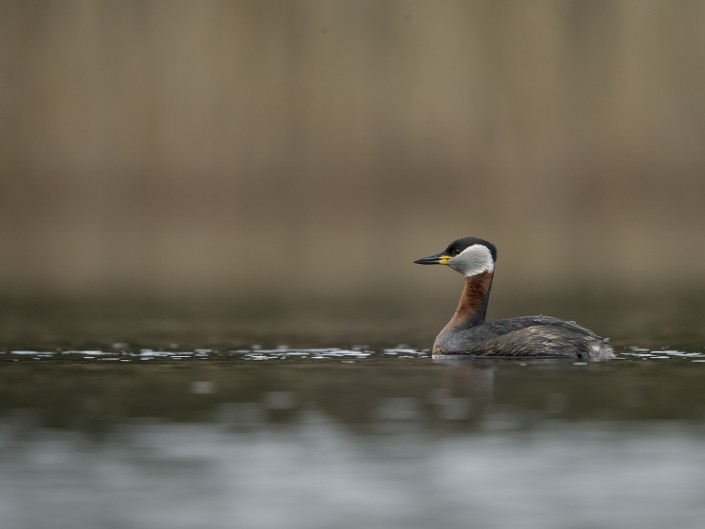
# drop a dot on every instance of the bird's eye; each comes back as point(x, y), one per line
point(456, 251)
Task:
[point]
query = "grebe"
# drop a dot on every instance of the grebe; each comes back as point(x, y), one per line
point(467, 333)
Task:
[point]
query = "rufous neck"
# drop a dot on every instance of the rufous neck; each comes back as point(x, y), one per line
point(472, 306)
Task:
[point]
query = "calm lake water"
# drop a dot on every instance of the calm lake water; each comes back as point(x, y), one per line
point(134, 422)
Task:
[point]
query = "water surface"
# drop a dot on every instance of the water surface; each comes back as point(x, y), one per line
point(175, 424)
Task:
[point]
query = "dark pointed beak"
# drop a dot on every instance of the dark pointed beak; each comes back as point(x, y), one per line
point(439, 258)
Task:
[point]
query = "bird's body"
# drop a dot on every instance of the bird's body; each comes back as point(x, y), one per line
point(467, 334)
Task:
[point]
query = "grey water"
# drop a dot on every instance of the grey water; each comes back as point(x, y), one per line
point(132, 422)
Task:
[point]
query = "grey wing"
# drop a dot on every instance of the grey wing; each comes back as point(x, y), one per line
point(502, 326)
point(536, 336)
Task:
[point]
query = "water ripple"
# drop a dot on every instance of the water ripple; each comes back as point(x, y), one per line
point(642, 353)
point(123, 352)
point(255, 353)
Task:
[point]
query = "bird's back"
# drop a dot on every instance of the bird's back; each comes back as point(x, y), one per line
point(527, 336)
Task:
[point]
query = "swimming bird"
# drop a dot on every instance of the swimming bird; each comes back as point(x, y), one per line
point(467, 334)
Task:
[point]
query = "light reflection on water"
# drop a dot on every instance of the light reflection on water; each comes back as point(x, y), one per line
point(354, 437)
point(122, 352)
point(282, 352)
point(318, 475)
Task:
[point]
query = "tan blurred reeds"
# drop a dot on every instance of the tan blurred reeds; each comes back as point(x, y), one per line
point(265, 147)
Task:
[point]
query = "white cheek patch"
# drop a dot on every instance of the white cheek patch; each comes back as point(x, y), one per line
point(474, 260)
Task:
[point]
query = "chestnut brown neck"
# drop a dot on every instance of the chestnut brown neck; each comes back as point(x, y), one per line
point(472, 306)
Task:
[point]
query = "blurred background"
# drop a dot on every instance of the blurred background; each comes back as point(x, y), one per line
point(313, 149)
point(208, 216)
